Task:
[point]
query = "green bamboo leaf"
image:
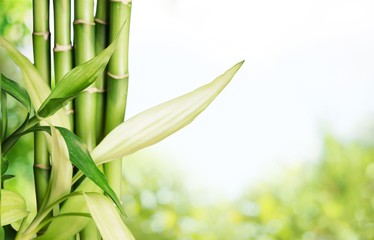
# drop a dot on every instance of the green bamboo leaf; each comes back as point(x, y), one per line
point(75, 81)
point(157, 123)
point(16, 91)
point(62, 170)
point(107, 218)
point(81, 158)
point(36, 87)
point(13, 207)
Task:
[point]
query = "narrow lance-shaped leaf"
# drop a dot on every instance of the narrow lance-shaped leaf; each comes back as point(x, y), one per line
point(157, 123)
point(81, 158)
point(16, 91)
point(106, 217)
point(13, 207)
point(35, 85)
point(77, 80)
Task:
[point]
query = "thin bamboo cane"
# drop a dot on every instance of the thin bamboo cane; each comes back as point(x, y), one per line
point(62, 51)
point(117, 84)
point(85, 104)
point(101, 42)
point(4, 115)
point(63, 54)
point(42, 61)
point(84, 50)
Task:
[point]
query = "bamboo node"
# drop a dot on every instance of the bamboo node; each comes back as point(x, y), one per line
point(45, 35)
point(84, 22)
point(101, 21)
point(114, 76)
point(62, 48)
point(42, 166)
point(122, 1)
point(91, 90)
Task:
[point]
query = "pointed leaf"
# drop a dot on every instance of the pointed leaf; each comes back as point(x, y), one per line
point(78, 79)
point(157, 123)
point(16, 91)
point(106, 217)
point(36, 87)
point(13, 207)
point(81, 158)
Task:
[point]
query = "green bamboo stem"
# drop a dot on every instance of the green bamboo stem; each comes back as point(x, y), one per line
point(85, 103)
point(62, 51)
point(42, 61)
point(101, 42)
point(84, 50)
point(4, 115)
point(117, 84)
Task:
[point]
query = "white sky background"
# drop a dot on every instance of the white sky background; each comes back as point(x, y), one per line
point(308, 70)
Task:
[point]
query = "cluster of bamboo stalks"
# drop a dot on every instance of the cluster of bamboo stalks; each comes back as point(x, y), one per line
point(102, 106)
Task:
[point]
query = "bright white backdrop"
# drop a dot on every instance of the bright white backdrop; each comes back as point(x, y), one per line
point(308, 71)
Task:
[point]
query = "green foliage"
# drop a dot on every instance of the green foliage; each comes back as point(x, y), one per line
point(13, 207)
point(333, 200)
point(17, 91)
point(329, 199)
point(13, 19)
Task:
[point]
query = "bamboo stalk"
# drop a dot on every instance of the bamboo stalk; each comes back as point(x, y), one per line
point(63, 54)
point(117, 84)
point(42, 61)
point(85, 103)
point(62, 51)
point(101, 42)
point(84, 50)
point(4, 115)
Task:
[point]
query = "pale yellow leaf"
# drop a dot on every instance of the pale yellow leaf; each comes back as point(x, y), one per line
point(36, 87)
point(62, 228)
point(106, 217)
point(62, 169)
point(159, 122)
point(13, 207)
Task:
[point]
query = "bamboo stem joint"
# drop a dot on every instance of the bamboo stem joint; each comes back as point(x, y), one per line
point(119, 77)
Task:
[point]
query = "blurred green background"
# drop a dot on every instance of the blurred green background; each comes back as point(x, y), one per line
point(332, 198)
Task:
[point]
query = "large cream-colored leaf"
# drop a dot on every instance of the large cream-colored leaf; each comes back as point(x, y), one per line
point(106, 217)
point(62, 169)
point(34, 84)
point(157, 123)
point(13, 207)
